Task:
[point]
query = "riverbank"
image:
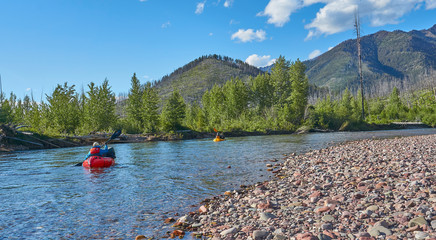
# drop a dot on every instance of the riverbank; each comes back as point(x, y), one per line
point(12, 139)
point(368, 189)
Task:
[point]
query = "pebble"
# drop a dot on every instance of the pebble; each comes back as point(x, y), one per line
point(420, 221)
point(421, 235)
point(258, 234)
point(266, 215)
point(379, 230)
point(368, 189)
point(433, 224)
point(228, 231)
point(327, 218)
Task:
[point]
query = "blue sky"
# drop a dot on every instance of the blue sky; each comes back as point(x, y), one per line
point(48, 42)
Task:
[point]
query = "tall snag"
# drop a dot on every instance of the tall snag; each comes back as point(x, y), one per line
point(357, 29)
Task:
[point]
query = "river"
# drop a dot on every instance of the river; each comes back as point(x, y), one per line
point(43, 196)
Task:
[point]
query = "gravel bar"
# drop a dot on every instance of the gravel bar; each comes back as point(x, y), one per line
point(368, 189)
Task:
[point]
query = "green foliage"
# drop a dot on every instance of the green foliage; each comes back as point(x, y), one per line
point(64, 108)
point(300, 91)
point(214, 106)
point(236, 98)
point(5, 111)
point(261, 92)
point(99, 108)
point(134, 103)
point(281, 82)
point(150, 106)
point(388, 57)
point(267, 102)
point(194, 78)
point(173, 113)
point(395, 109)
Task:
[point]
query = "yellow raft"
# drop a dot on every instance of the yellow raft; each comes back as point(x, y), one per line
point(218, 139)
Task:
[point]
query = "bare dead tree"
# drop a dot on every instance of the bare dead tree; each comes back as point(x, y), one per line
point(357, 29)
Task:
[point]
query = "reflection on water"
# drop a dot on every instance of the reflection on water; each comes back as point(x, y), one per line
point(44, 196)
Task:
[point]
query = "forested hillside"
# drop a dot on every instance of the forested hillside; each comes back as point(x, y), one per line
point(406, 60)
point(193, 79)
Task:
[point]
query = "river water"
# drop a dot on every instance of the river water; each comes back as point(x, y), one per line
point(43, 196)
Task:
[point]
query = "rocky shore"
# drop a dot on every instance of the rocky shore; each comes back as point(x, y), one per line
point(369, 189)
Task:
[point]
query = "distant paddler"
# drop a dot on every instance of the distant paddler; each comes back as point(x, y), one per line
point(218, 137)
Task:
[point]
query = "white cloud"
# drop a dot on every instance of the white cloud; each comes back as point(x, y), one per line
point(259, 61)
point(279, 11)
point(249, 35)
point(200, 8)
point(210, 34)
point(330, 48)
point(146, 77)
point(233, 22)
point(28, 89)
point(430, 4)
point(338, 15)
point(228, 3)
point(165, 25)
point(143, 0)
point(314, 54)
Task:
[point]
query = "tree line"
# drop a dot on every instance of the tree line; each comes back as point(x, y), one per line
point(268, 102)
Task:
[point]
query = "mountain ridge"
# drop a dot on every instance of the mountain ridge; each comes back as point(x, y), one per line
point(199, 75)
point(406, 60)
point(389, 58)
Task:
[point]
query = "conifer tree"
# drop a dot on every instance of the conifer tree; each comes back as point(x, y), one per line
point(173, 112)
point(150, 106)
point(280, 81)
point(64, 108)
point(106, 116)
point(261, 92)
point(300, 91)
point(5, 112)
point(99, 107)
point(134, 103)
point(236, 98)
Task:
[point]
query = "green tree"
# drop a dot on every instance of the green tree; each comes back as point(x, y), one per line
point(150, 107)
point(262, 92)
point(300, 91)
point(280, 81)
point(64, 108)
point(106, 116)
point(173, 112)
point(395, 107)
point(5, 112)
point(134, 103)
point(345, 109)
point(214, 106)
point(236, 98)
point(195, 117)
point(99, 107)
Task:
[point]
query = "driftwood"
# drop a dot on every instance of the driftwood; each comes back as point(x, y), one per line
point(43, 141)
point(21, 140)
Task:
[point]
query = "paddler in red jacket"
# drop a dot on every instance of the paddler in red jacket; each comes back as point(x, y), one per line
point(96, 150)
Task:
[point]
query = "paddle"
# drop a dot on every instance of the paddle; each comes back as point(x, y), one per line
point(217, 133)
point(114, 135)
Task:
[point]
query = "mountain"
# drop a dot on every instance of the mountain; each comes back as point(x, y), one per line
point(267, 68)
point(403, 59)
point(193, 79)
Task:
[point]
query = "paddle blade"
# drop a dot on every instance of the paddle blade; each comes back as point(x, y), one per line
point(215, 130)
point(116, 134)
